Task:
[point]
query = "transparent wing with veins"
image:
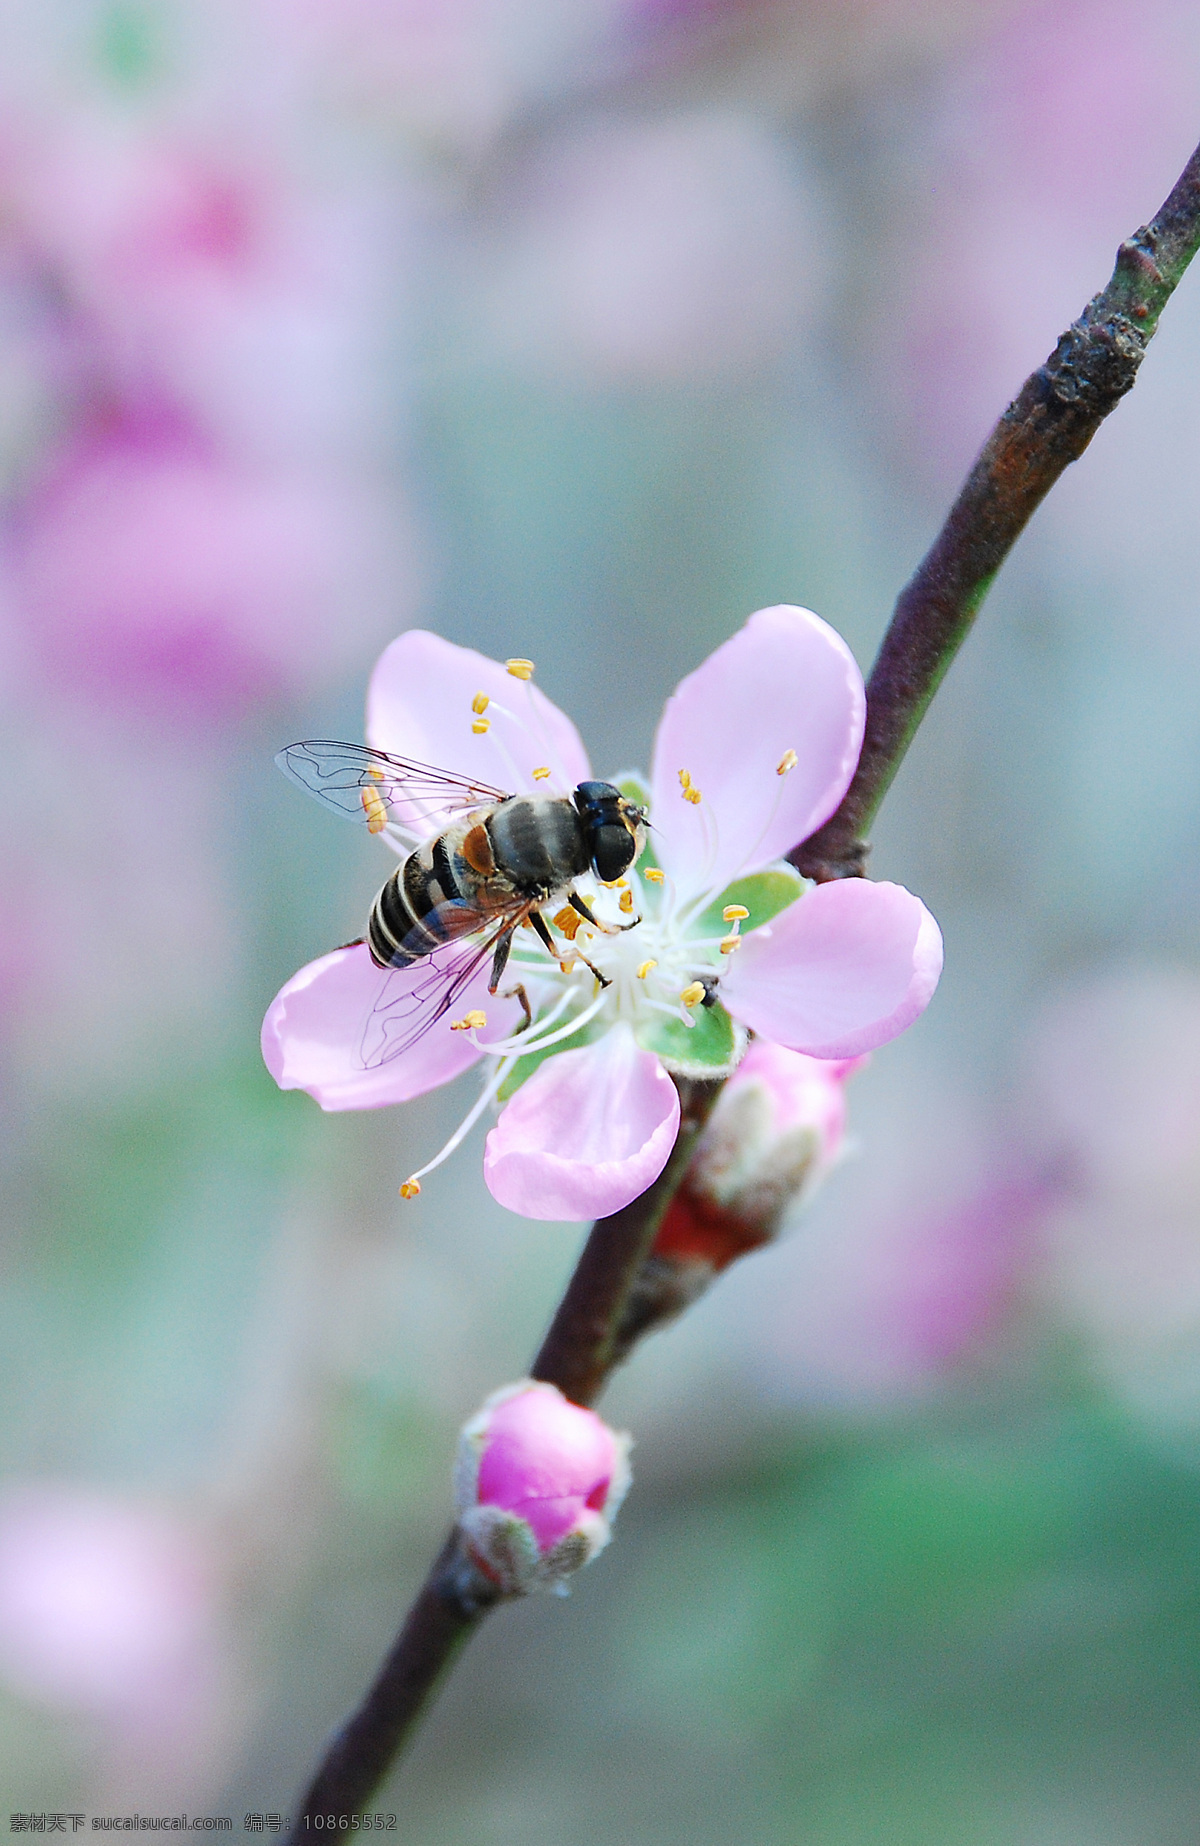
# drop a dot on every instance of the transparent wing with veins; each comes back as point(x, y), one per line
point(372, 787)
point(412, 1000)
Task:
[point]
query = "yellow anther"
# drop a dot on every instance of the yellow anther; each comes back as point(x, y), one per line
point(644, 969)
point(735, 913)
point(685, 780)
point(520, 669)
point(410, 1189)
point(730, 943)
point(787, 761)
point(473, 1021)
point(693, 993)
point(480, 725)
point(653, 876)
point(373, 769)
point(625, 902)
point(480, 703)
point(692, 795)
point(567, 966)
point(539, 775)
point(374, 810)
point(568, 922)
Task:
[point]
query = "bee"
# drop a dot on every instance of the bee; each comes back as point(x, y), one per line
point(459, 897)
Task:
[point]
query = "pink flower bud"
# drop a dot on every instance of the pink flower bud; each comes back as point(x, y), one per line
point(537, 1482)
point(776, 1130)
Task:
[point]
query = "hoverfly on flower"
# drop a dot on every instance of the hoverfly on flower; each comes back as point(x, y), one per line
point(456, 899)
point(704, 937)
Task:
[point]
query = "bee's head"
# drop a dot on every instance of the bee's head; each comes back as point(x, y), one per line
point(615, 828)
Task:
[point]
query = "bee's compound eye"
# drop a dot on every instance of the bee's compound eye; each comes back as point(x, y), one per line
point(613, 851)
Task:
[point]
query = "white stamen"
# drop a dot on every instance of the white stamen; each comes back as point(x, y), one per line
point(521, 1044)
point(465, 1126)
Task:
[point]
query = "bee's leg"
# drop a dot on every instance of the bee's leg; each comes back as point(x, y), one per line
point(606, 929)
point(518, 993)
point(500, 960)
point(539, 924)
point(499, 963)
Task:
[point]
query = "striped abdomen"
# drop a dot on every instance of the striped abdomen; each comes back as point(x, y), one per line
point(516, 855)
point(404, 925)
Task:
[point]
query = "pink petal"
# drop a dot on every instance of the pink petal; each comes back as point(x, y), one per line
point(842, 970)
point(419, 705)
point(321, 1028)
point(588, 1132)
point(784, 682)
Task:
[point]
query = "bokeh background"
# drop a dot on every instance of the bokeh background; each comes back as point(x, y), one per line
point(579, 329)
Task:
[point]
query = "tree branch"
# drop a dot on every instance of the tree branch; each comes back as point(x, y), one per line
point(1050, 423)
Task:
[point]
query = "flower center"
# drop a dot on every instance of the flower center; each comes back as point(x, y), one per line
point(655, 973)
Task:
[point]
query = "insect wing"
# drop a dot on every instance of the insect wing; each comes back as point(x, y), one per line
point(370, 785)
point(412, 1000)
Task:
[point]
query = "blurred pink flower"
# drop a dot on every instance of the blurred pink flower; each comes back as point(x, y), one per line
point(211, 278)
point(1060, 134)
point(884, 1303)
point(755, 749)
point(150, 561)
point(105, 1606)
point(668, 248)
point(538, 1482)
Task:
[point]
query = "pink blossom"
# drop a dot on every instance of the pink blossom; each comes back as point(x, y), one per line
point(538, 1482)
point(150, 560)
point(104, 1606)
point(755, 749)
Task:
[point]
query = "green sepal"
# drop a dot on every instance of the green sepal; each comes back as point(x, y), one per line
point(713, 1047)
point(764, 895)
point(525, 1067)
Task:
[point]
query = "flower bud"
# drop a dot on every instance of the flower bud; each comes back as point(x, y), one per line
point(776, 1130)
point(537, 1482)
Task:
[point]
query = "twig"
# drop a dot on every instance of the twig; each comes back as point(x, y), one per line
point(580, 1349)
point(577, 1355)
point(1050, 424)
